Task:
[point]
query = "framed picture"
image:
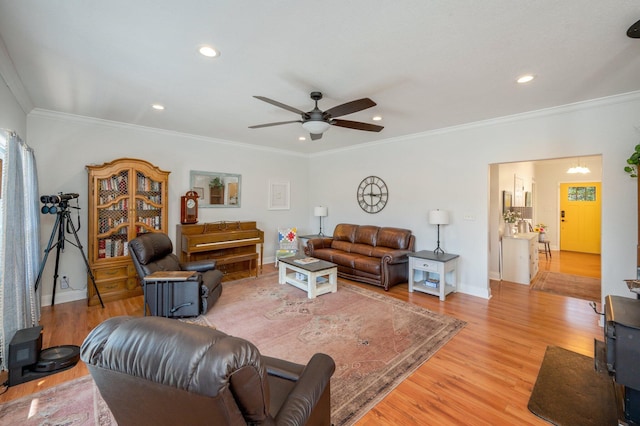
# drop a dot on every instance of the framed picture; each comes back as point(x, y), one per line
point(200, 191)
point(507, 201)
point(527, 199)
point(216, 189)
point(518, 190)
point(279, 195)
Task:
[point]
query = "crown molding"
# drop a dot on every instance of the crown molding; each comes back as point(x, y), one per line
point(514, 118)
point(63, 116)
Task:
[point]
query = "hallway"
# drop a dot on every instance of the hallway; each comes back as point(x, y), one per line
point(570, 262)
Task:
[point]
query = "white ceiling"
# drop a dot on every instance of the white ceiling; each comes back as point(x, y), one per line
point(427, 64)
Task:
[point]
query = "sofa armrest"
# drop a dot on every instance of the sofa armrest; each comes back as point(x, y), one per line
point(309, 388)
point(199, 265)
point(316, 244)
point(396, 256)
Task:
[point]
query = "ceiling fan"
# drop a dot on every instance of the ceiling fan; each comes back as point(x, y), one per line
point(316, 121)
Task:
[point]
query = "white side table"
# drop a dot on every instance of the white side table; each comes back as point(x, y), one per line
point(433, 273)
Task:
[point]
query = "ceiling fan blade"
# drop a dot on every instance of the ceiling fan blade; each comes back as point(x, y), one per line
point(357, 125)
point(279, 104)
point(316, 136)
point(350, 107)
point(274, 124)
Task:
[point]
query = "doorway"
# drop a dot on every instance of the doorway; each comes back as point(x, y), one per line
point(543, 179)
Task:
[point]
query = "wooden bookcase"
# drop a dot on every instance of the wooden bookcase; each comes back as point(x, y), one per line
point(127, 197)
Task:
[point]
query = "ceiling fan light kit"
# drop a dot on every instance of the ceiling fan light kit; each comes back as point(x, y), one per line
point(316, 127)
point(316, 121)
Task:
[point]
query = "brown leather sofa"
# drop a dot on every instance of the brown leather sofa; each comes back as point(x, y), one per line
point(160, 371)
point(366, 253)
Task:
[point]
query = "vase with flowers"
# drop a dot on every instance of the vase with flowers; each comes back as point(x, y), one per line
point(541, 229)
point(510, 218)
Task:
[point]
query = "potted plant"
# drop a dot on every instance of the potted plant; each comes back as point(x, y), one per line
point(632, 162)
point(216, 182)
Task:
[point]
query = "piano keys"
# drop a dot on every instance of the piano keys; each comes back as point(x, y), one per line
point(234, 246)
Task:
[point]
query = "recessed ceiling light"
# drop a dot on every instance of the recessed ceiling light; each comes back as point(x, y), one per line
point(525, 79)
point(302, 138)
point(377, 118)
point(208, 51)
point(157, 107)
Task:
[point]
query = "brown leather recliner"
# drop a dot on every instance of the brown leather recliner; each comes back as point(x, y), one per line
point(154, 370)
point(153, 252)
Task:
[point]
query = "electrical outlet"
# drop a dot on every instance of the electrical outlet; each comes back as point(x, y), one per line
point(64, 282)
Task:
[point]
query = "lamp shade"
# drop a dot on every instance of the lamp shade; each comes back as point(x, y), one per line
point(438, 217)
point(320, 211)
point(316, 127)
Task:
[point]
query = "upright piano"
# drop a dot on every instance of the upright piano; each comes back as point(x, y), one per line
point(234, 246)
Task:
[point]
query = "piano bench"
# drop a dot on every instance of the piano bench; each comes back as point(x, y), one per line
point(227, 260)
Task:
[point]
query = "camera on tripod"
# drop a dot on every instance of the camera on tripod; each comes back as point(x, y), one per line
point(60, 201)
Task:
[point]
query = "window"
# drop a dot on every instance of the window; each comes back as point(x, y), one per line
point(582, 193)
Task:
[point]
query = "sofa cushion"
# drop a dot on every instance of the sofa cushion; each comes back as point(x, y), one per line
point(367, 264)
point(341, 245)
point(396, 238)
point(364, 249)
point(344, 259)
point(366, 234)
point(345, 232)
point(379, 252)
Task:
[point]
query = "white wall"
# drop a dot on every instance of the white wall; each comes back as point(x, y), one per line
point(449, 169)
point(65, 144)
point(446, 169)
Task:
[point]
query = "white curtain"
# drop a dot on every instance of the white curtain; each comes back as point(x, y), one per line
point(19, 240)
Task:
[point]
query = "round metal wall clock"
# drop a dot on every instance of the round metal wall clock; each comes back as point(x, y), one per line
point(373, 194)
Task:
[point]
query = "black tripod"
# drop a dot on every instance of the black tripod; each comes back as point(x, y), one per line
point(63, 221)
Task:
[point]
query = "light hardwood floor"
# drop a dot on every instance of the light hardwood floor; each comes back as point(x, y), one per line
point(483, 376)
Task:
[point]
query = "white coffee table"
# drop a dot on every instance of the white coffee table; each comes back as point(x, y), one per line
point(315, 278)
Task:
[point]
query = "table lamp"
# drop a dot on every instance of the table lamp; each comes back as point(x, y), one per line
point(320, 212)
point(438, 217)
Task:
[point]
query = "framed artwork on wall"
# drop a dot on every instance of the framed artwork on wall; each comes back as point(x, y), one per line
point(279, 192)
point(518, 190)
point(216, 189)
point(507, 201)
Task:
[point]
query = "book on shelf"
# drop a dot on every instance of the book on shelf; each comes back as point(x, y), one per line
point(306, 260)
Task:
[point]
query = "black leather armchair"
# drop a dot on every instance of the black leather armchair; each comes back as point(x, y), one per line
point(157, 371)
point(153, 252)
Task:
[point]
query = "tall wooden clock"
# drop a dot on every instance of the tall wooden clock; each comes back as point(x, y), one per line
point(189, 208)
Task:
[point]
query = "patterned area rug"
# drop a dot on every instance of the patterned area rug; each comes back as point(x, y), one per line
point(586, 288)
point(375, 340)
point(77, 402)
